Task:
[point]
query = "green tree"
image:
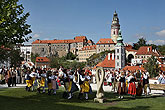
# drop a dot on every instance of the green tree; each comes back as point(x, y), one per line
point(13, 27)
point(141, 42)
point(15, 58)
point(152, 66)
point(96, 58)
point(70, 56)
point(33, 57)
point(161, 49)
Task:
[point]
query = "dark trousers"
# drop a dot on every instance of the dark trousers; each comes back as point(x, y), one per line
point(9, 81)
point(13, 81)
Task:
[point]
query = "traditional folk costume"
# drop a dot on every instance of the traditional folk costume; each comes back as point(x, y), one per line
point(145, 83)
point(121, 86)
point(132, 86)
point(28, 81)
point(54, 83)
point(109, 79)
point(139, 89)
point(84, 85)
point(72, 86)
point(43, 81)
point(33, 76)
point(49, 82)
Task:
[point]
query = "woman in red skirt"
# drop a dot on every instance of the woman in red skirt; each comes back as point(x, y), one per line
point(132, 86)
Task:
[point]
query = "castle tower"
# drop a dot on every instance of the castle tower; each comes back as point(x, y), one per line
point(115, 27)
point(119, 53)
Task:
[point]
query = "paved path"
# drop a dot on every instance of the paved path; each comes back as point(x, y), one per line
point(94, 87)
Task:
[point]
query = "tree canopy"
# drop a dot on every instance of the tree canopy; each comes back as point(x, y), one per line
point(13, 27)
point(141, 42)
point(152, 66)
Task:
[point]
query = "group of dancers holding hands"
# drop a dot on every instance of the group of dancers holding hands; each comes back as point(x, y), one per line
point(42, 80)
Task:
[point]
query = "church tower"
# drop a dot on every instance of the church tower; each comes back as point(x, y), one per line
point(115, 27)
point(119, 53)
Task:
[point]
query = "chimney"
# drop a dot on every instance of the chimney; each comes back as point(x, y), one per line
point(148, 49)
point(109, 56)
point(113, 56)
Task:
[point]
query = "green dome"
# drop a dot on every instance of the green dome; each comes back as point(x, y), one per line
point(119, 38)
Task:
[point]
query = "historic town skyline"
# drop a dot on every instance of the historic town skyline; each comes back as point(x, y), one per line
point(67, 19)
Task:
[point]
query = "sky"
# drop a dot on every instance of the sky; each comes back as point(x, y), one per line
point(65, 19)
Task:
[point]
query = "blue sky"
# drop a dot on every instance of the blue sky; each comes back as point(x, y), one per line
point(65, 19)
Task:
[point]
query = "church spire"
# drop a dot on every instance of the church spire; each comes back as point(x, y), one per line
point(115, 26)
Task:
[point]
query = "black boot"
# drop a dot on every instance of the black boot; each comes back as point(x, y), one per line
point(38, 89)
point(49, 91)
point(80, 95)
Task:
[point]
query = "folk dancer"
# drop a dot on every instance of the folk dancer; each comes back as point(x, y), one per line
point(33, 76)
point(28, 81)
point(72, 85)
point(43, 80)
point(132, 85)
point(54, 82)
point(121, 85)
point(49, 77)
point(145, 83)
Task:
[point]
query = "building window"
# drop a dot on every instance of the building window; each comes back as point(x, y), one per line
point(117, 57)
point(117, 50)
point(141, 56)
point(42, 49)
point(117, 63)
point(113, 32)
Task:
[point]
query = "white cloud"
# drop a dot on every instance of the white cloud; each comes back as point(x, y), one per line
point(161, 33)
point(36, 36)
point(140, 35)
point(157, 42)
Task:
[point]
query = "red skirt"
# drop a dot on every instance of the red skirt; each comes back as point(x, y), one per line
point(132, 88)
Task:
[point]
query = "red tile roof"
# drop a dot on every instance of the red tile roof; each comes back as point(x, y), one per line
point(80, 38)
point(76, 39)
point(92, 47)
point(129, 47)
point(105, 41)
point(132, 68)
point(146, 50)
point(107, 63)
point(90, 41)
point(42, 59)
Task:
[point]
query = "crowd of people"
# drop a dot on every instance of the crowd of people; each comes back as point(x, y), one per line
point(128, 82)
point(48, 80)
point(39, 79)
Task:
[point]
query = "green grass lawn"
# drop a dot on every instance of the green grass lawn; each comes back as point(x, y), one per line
point(19, 99)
